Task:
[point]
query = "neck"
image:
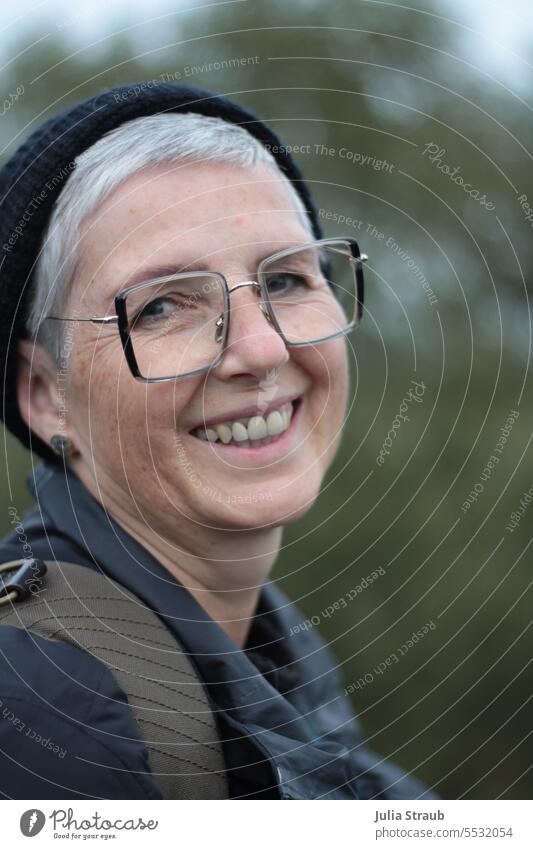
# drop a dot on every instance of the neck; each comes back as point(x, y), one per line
point(228, 586)
point(222, 569)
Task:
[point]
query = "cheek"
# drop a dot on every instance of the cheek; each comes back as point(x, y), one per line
point(108, 404)
point(95, 387)
point(327, 369)
point(119, 415)
point(326, 366)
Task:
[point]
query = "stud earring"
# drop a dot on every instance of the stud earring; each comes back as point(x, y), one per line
point(62, 445)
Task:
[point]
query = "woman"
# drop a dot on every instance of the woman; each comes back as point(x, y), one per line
point(176, 352)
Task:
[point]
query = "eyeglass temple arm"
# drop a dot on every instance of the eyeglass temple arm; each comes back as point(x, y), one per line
point(106, 319)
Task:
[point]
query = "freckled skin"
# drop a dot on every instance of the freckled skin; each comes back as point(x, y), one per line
point(135, 449)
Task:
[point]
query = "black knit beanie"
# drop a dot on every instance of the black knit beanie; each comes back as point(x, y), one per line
point(31, 180)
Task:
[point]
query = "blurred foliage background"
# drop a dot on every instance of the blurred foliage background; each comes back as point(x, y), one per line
point(396, 85)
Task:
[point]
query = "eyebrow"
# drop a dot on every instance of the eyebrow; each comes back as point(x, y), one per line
point(162, 271)
point(155, 271)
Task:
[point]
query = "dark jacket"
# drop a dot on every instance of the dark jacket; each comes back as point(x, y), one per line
point(66, 730)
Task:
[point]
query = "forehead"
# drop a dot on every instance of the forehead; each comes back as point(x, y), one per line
point(224, 215)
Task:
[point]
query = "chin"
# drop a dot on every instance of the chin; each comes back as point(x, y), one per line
point(263, 507)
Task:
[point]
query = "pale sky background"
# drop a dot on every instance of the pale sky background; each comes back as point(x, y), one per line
point(494, 35)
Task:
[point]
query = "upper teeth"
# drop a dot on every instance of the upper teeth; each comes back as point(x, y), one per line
point(255, 428)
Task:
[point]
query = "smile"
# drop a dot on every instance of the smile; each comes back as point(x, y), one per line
point(250, 432)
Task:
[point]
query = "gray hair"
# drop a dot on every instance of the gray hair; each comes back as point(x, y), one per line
point(134, 145)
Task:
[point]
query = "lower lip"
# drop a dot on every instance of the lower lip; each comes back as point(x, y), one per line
point(265, 453)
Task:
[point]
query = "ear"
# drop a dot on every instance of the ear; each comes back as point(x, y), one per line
point(40, 391)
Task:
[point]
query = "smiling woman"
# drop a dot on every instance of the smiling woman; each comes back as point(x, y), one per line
point(193, 414)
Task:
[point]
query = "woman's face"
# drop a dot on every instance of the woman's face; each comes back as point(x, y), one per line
point(136, 439)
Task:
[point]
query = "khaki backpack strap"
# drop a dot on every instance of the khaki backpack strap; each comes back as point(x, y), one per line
point(83, 607)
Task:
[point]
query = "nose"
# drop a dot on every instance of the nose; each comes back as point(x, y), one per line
point(253, 344)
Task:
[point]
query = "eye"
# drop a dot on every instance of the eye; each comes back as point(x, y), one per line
point(285, 282)
point(165, 307)
point(155, 309)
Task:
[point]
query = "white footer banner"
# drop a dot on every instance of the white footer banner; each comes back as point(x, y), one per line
point(234, 824)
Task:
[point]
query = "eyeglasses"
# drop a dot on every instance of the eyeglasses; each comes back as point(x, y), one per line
point(177, 326)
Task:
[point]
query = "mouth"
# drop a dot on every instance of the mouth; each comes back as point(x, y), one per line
point(254, 432)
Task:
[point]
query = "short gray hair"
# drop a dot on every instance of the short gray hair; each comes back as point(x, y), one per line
point(134, 145)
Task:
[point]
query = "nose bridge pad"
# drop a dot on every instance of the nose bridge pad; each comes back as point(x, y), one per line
point(265, 312)
point(219, 324)
point(219, 332)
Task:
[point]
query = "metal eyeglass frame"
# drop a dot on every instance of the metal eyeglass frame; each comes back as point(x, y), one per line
point(223, 321)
